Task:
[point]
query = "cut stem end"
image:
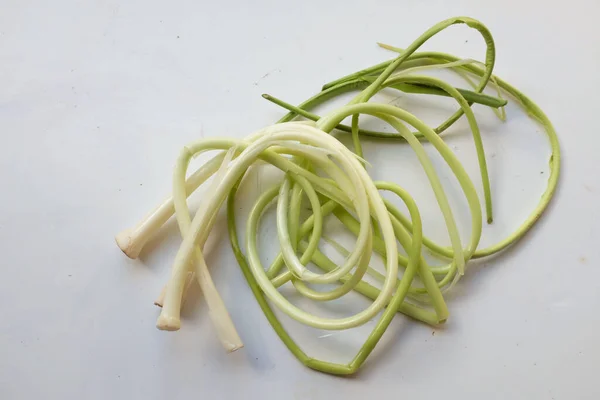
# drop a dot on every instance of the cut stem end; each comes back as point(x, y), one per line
point(166, 323)
point(127, 244)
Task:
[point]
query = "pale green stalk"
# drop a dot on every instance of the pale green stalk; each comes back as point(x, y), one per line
point(378, 225)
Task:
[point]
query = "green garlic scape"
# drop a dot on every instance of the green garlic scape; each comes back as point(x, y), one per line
point(303, 148)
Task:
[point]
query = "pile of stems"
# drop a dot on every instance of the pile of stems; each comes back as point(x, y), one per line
point(304, 150)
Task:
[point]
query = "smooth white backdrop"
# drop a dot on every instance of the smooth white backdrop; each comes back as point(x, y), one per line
point(98, 97)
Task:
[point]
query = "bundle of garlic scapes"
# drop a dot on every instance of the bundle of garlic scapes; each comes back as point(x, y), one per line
point(335, 182)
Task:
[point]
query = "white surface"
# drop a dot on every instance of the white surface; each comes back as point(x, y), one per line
point(97, 99)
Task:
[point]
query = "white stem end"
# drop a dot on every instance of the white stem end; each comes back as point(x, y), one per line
point(231, 347)
point(168, 323)
point(129, 244)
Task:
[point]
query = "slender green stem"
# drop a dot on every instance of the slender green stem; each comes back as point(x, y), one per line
point(349, 193)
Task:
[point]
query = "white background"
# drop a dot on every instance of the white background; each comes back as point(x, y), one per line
point(97, 98)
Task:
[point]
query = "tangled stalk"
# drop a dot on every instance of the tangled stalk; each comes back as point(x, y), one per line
point(336, 184)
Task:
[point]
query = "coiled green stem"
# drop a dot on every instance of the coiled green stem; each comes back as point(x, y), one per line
point(305, 152)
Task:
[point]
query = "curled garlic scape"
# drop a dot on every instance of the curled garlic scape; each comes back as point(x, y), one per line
point(336, 184)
